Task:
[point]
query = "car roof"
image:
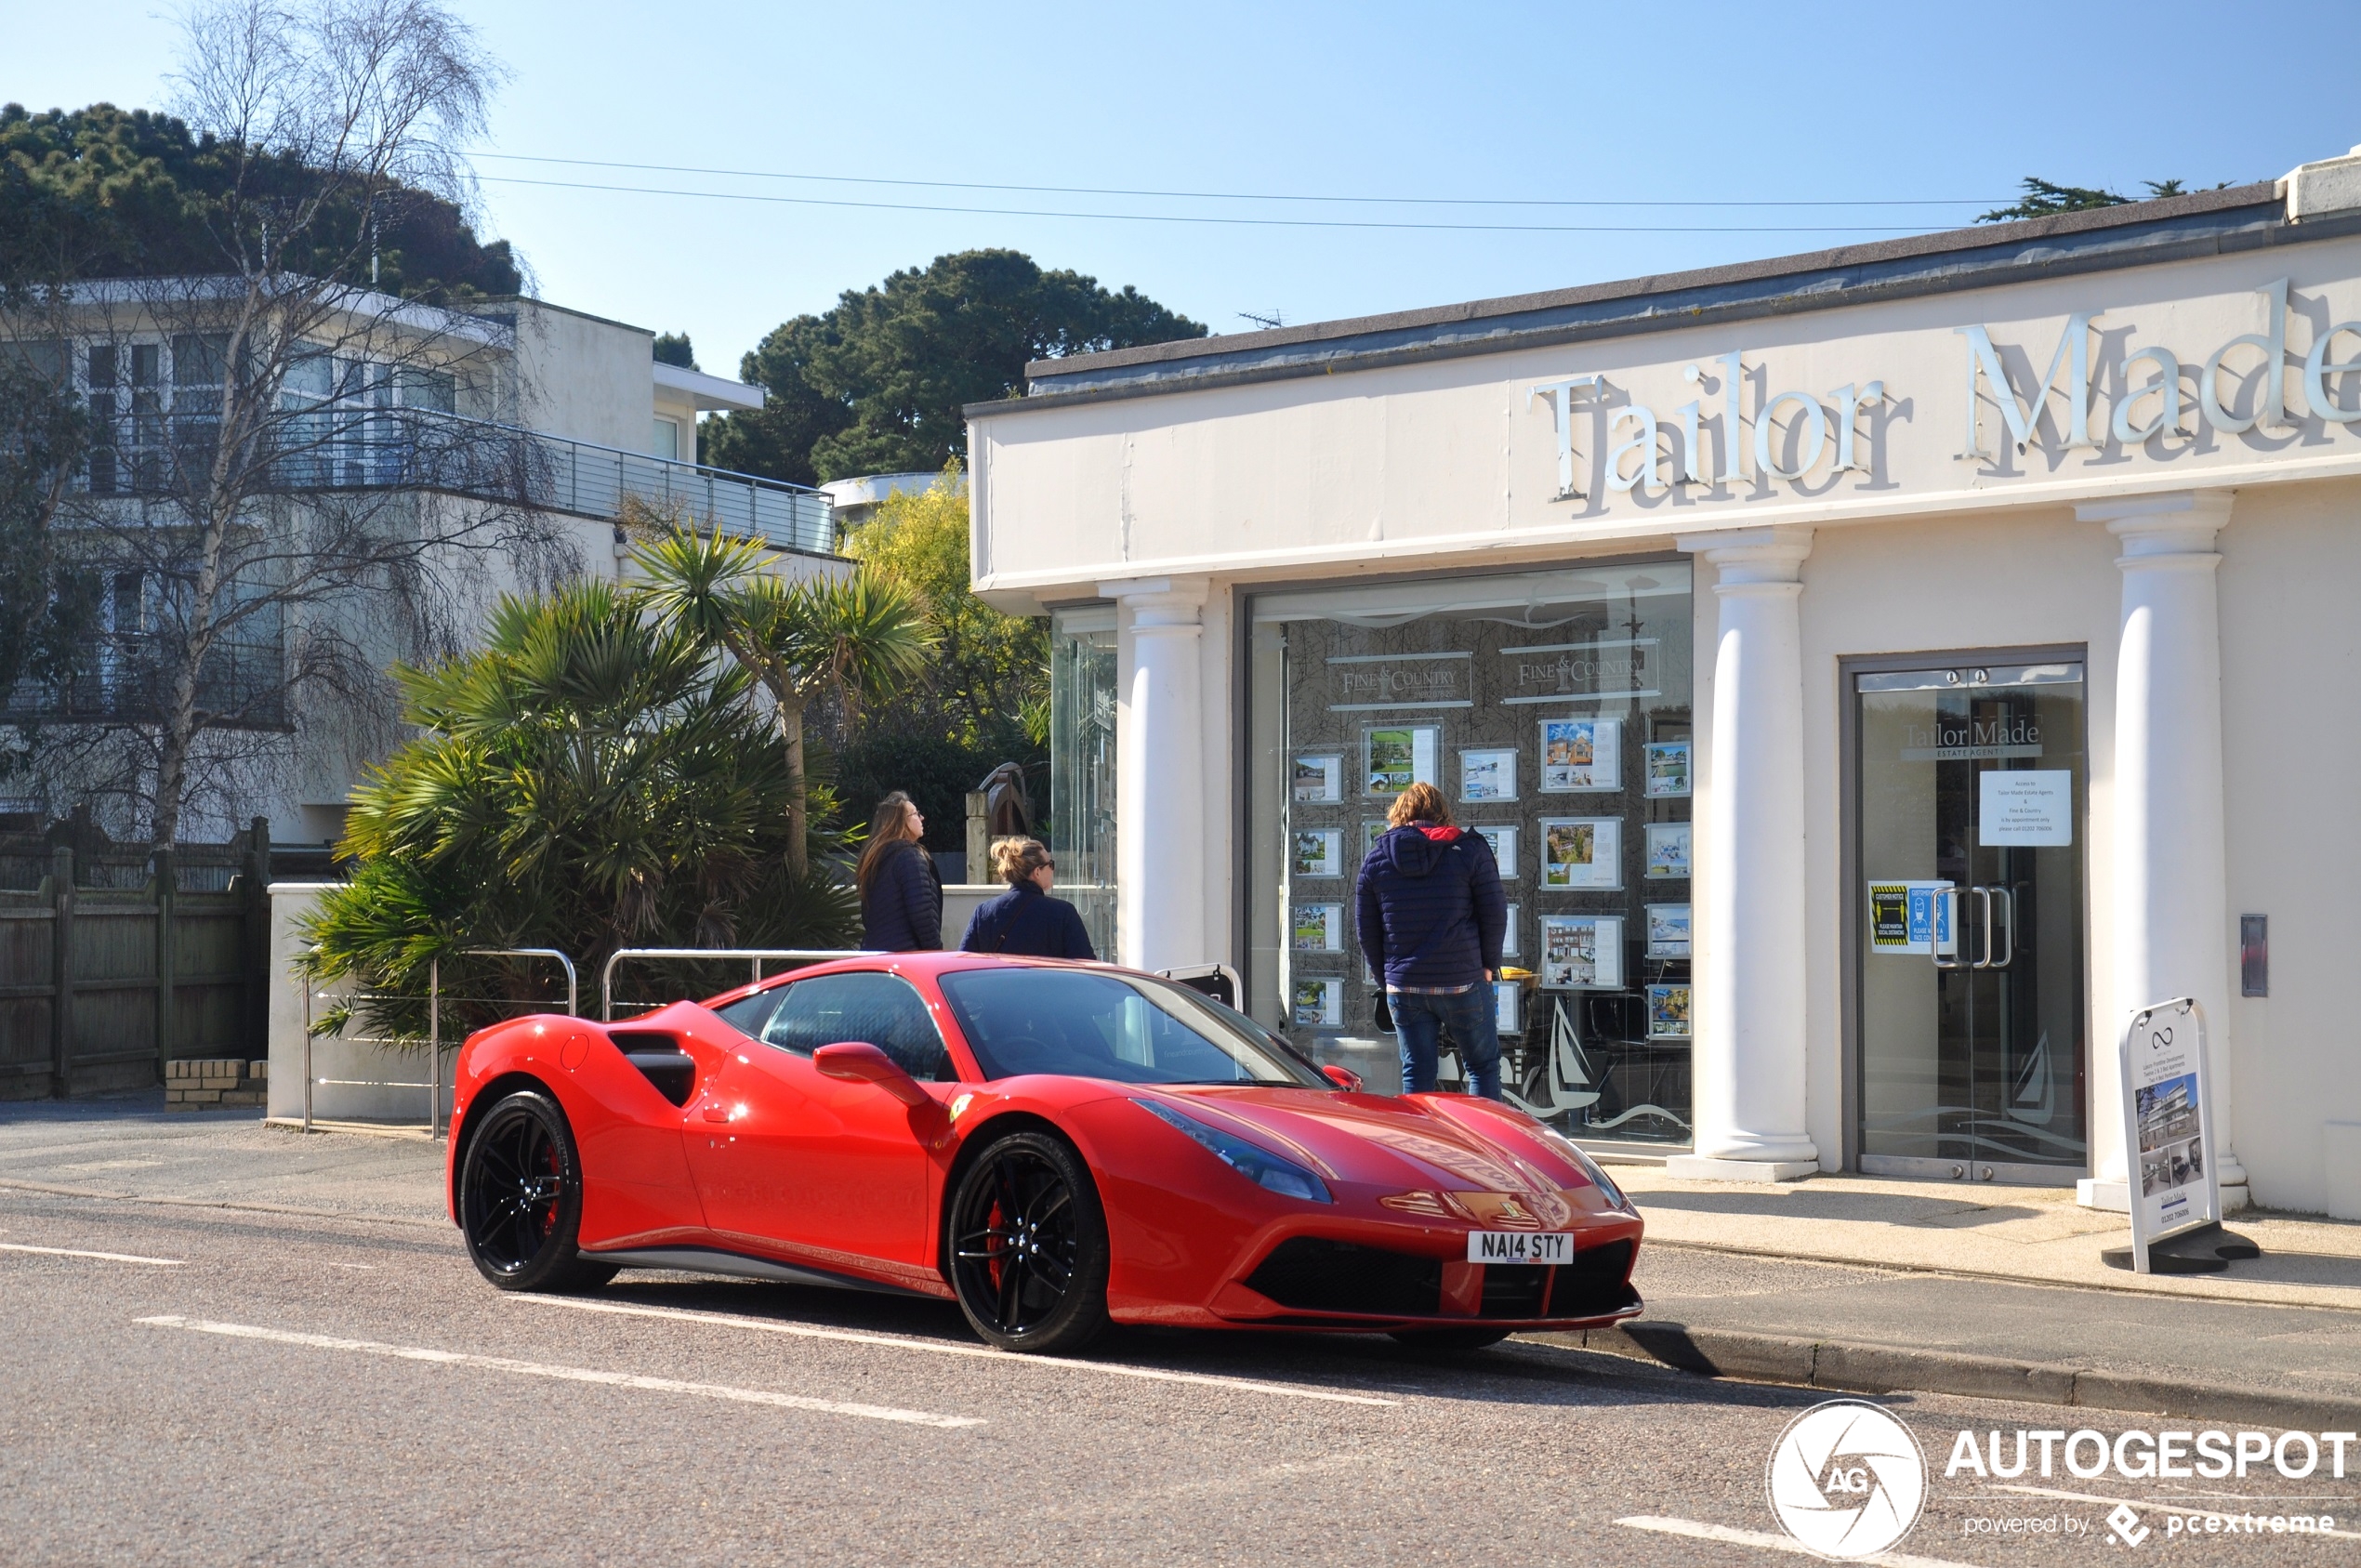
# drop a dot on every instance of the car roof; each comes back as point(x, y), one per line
point(931, 963)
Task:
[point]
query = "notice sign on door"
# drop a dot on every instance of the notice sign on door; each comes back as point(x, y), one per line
point(1910, 917)
point(2034, 807)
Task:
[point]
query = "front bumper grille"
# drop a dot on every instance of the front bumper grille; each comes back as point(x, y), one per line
point(1314, 1274)
point(1596, 1283)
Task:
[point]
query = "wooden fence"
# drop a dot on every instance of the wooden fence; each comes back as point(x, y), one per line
point(103, 979)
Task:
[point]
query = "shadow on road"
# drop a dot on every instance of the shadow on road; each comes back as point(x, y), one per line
point(1511, 1373)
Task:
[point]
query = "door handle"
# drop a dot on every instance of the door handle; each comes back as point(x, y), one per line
point(1984, 899)
point(1949, 915)
point(714, 1112)
point(2008, 897)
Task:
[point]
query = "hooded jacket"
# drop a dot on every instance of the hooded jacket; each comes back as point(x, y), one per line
point(1432, 913)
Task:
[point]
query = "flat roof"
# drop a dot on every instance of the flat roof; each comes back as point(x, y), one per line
point(2133, 234)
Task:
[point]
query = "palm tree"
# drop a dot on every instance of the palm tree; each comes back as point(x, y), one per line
point(592, 778)
point(855, 637)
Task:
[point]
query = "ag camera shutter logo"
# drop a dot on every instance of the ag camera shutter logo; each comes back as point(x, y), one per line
point(1846, 1479)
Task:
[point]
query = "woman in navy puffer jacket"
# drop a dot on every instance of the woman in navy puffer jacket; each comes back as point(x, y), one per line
point(1025, 920)
point(901, 891)
point(1432, 917)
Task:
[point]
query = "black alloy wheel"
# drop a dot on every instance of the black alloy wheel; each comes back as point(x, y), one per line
point(1449, 1341)
point(1028, 1241)
point(521, 1198)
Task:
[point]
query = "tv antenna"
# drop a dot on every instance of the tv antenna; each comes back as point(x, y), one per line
point(1266, 321)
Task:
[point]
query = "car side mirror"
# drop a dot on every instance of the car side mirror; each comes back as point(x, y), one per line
point(859, 1061)
point(1343, 1078)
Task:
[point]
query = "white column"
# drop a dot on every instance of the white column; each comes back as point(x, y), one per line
point(1748, 1052)
point(1160, 826)
point(2170, 897)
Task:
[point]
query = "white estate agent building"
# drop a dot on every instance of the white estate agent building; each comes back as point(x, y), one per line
point(1878, 670)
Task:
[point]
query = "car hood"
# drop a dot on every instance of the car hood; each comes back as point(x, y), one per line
point(1407, 1144)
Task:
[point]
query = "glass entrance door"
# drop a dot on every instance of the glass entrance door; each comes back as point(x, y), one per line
point(1971, 786)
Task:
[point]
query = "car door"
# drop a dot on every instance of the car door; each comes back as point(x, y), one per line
point(838, 1172)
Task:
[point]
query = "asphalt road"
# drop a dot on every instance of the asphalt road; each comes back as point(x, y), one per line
point(248, 1386)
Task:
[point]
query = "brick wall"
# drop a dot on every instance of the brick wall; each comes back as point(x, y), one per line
point(211, 1082)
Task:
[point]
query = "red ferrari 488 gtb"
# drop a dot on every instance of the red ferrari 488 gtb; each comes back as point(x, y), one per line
point(1052, 1145)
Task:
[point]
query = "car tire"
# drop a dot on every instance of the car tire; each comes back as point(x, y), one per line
point(1449, 1341)
point(521, 1198)
point(1025, 1239)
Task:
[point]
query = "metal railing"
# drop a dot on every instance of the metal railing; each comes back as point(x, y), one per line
point(757, 955)
point(341, 449)
point(433, 1086)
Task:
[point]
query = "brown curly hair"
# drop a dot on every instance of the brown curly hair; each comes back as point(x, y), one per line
point(1420, 803)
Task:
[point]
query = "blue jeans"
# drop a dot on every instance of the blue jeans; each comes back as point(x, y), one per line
point(1419, 1023)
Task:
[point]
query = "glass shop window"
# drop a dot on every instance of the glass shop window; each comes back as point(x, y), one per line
point(1553, 709)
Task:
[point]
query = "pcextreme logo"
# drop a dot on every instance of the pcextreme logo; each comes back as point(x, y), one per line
point(1846, 1479)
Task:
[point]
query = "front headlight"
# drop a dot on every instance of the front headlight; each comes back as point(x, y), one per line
point(1589, 1166)
point(1252, 1161)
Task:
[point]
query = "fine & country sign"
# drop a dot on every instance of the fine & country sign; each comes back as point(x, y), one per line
point(2168, 1125)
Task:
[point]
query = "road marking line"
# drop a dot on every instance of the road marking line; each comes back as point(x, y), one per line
point(566, 1374)
point(2159, 1507)
point(102, 1257)
point(1005, 1358)
point(1769, 1542)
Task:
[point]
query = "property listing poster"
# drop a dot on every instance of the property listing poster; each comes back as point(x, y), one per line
point(1504, 847)
point(1488, 775)
point(1582, 952)
point(1319, 927)
point(1666, 767)
point(1668, 930)
point(1582, 852)
point(1669, 1012)
point(1319, 1004)
point(1581, 754)
point(1667, 857)
point(1319, 852)
point(1319, 779)
point(2163, 1074)
point(1396, 758)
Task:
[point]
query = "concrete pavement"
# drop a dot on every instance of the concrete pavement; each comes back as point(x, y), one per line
point(2031, 1234)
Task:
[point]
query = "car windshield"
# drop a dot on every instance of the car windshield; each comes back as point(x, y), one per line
point(1087, 1024)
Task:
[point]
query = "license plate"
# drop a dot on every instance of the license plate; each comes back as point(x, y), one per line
point(1520, 1246)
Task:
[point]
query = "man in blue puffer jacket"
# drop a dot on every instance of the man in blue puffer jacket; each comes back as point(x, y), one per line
point(1432, 918)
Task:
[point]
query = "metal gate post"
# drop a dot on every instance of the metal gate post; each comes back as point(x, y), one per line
point(434, 1048)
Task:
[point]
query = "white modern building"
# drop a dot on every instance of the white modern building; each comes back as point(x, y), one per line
point(1879, 671)
point(403, 413)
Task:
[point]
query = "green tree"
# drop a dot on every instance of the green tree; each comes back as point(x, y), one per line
point(877, 383)
point(105, 192)
point(2043, 199)
point(845, 639)
point(983, 699)
point(594, 777)
point(674, 348)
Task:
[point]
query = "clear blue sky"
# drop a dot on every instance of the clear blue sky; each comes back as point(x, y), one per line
point(1571, 101)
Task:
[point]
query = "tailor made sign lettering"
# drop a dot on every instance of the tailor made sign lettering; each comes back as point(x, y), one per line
point(1746, 427)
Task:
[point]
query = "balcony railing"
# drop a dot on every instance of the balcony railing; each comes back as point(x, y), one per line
point(335, 449)
point(241, 686)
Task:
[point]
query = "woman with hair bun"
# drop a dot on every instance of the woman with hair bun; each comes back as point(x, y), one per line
point(1025, 921)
